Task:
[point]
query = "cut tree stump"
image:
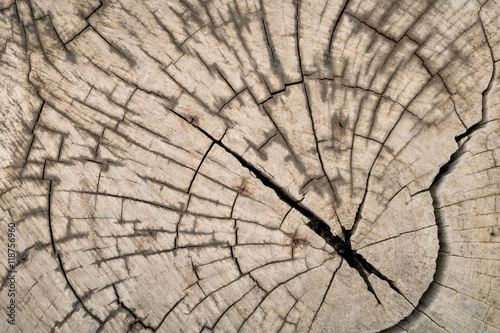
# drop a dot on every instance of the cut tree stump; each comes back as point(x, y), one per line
point(250, 166)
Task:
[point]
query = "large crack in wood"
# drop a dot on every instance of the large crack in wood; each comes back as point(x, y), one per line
point(321, 228)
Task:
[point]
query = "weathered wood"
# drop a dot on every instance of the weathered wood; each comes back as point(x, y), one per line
point(253, 166)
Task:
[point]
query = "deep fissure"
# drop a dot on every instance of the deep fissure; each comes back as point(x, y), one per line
point(316, 224)
point(321, 228)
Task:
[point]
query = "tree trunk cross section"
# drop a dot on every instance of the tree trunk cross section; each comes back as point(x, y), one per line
point(250, 166)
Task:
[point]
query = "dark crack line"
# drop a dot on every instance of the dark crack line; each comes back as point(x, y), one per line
point(58, 255)
point(325, 294)
point(74, 291)
point(334, 29)
point(320, 158)
point(37, 119)
point(297, 36)
point(77, 34)
point(271, 48)
point(199, 166)
point(94, 11)
point(168, 312)
point(289, 310)
point(355, 260)
point(60, 323)
point(396, 236)
point(114, 48)
point(131, 311)
point(230, 307)
point(268, 293)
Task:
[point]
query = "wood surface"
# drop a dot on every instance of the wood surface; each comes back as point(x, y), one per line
point(250, 166)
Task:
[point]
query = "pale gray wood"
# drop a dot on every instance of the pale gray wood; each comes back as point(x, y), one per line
point(251, 166)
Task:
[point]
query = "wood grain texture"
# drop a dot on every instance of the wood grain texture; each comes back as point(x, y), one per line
point(250, 166)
